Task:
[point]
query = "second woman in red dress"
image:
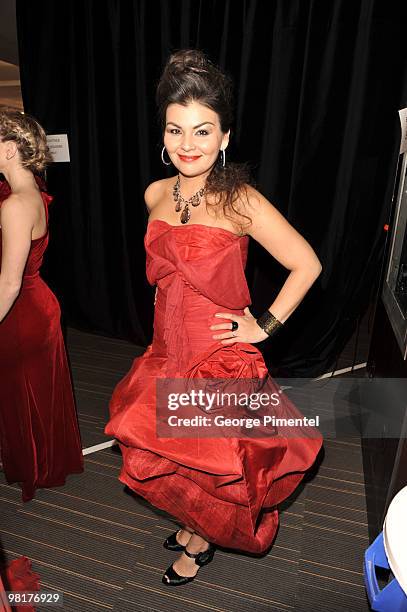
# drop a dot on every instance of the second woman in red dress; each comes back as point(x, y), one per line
point(39, 434)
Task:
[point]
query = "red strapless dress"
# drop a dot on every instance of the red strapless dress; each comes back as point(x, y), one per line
point(39, 434)
point(227, 489)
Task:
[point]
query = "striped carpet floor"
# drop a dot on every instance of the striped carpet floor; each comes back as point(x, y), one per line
point(102, 546)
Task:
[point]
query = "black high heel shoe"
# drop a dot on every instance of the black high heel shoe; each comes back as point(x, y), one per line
point(171, 543)
point(171, 578)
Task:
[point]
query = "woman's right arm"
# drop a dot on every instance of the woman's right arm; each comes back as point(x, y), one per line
point(16, 230)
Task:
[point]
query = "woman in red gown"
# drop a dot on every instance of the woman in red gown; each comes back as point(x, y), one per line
point(39, 435)
point(222, 490)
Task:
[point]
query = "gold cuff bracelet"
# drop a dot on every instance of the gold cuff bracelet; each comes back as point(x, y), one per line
point(269, 323)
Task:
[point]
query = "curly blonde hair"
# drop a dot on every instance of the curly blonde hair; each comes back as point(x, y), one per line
point(29, 137)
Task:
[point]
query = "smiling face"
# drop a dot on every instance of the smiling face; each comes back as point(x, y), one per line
point(193, 138)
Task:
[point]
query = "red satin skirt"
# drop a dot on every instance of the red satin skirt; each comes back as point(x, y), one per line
point(39, 434)
point(226, 489)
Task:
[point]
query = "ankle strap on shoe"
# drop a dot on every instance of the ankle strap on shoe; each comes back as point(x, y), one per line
point(195, 555)
point(191, 555)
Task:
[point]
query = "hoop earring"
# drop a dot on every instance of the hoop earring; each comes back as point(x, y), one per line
point(163, 160)
point(223, 157)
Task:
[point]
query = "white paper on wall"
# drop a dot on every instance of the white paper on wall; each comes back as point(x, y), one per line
point(58, 146)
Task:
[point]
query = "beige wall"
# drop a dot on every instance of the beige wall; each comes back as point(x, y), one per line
point(10, 92)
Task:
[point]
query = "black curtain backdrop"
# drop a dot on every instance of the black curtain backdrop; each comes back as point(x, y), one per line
point(318, 87)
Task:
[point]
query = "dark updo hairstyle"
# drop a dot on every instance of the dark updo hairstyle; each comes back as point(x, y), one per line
point(190, 76)
point(29, 137)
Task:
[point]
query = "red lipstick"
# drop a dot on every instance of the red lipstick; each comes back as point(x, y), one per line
point(188, 158)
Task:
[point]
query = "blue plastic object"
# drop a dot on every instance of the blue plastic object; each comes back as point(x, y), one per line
point(392, 597)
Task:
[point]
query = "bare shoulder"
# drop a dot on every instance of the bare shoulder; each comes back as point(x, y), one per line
point(250, 205)
point(13, 205)
point(17, 217)
point(261, 211)
point(155, 192)
point(256, 200)
point(23, 209)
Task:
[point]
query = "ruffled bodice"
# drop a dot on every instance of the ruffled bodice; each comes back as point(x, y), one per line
point(199, 270)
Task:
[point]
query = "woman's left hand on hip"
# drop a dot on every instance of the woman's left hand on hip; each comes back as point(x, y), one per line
point(247, 331)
